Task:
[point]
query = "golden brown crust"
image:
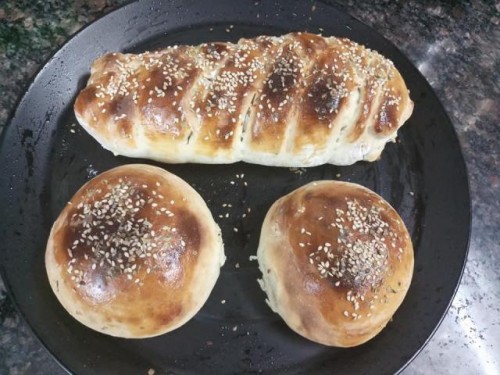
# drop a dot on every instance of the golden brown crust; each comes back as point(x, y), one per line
point(295, 100)
point(267, 124)
point(336, 260)
point(125, 253)
point(325, 100)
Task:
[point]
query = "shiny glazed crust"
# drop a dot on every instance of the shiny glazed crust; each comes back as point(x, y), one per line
point(336, 260)
point(297, 100)
point(135, 253)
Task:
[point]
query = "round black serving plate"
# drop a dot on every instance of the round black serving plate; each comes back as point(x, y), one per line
point(46, 157)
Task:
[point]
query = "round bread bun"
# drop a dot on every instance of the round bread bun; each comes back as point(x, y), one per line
point(336, 260)
point(135, 253)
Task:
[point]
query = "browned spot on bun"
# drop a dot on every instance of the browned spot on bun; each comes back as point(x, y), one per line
point(85, 99)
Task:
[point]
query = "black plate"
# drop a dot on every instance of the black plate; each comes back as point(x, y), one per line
point(45, 158)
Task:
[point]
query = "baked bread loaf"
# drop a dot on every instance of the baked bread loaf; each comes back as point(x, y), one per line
point(135, 253)
point(336, 261)
point(298, 100)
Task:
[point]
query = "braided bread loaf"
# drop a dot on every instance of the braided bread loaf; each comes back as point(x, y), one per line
point(297, 100)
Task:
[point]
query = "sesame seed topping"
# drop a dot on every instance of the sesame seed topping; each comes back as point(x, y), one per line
point(112, 235)
point(360, 257)
point(358, 260)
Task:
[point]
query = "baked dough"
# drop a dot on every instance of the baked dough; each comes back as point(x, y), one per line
point(336, 260)
point(135, 253)
point(298, 100)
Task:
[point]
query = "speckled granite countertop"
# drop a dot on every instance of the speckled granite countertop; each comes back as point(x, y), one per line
point(456, 45)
